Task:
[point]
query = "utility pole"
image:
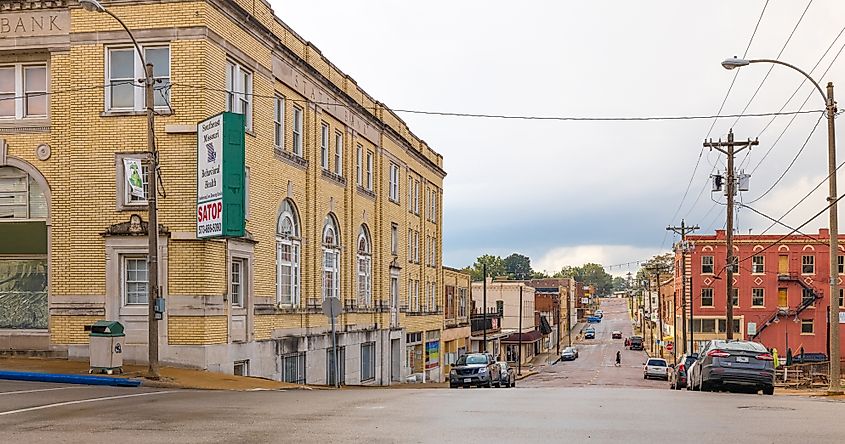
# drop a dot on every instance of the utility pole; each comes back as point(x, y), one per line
point(683, 230)
point(833, 313)
point(730, 149)
point(691, 316)
point(484, 307)
point(656, 269)
point(519, 359)
point(152, 226)
point(557, 313)
point(648, 323)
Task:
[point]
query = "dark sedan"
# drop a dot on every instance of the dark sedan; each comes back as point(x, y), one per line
point(678, 375)
point(734, 364)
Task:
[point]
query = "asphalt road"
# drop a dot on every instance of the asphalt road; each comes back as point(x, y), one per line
point(595, 365)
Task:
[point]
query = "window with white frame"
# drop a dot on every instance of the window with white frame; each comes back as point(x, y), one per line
point(370, 170)
point(359, 168)
point(462, 302)
point(706, 297)
point(130, 199)
point(757, 264)
point(368, 361)
point(21, 197)
point(23, 91)
point(279, 122)
point(394, 239)
point(365, 268)
point(414, 291)
point(707, 264)
point(237, 281)
point(416, 197)
point(758, 297)
point(124, 68)
point(432, 296)
point(287, 256)
point(239, 91)
point(807, 326)
point(433, 205)
point(135, 281)
point(840, 262)
point(416, 246)
point(841, 297)
point(393, 188)
point(331, 258)
point(808, 264)
point(410, 193)
point(297, 131)
point(410, 251)
point(324, 145)
point(338, 153)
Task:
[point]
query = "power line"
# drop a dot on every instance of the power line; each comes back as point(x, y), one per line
point(777, 221)
point(803, 198)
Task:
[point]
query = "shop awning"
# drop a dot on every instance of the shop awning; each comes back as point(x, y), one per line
point(529, 337)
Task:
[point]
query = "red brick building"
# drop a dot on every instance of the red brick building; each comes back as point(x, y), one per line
point(780, 289)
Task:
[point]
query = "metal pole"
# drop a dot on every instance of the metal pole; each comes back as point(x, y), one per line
point(691, 317)
point(729, 306)
point(152, 226)
point(336, 365)
point(484, 307)
point(835, 351)
point(557, 312)
point(684, 292)
point(519, 359)
point(648, 323)
point(659, 314)
point(568, 321)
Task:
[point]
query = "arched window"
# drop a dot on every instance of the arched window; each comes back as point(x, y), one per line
point(365, 268)
point(331, 258)
point(287, 256)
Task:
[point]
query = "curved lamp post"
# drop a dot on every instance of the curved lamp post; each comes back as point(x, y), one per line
point(830, 110)
point(152, 226)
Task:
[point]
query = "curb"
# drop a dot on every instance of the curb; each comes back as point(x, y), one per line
point(69, 379)
point(526, 374)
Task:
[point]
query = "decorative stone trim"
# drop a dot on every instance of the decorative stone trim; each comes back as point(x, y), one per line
point(340, 180)
point(32, 4)
point(290, 158)
point(366, 192)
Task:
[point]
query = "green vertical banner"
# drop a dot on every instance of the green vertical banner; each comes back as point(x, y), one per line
point(221, 191)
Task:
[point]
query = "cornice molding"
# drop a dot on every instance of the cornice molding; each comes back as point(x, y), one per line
point(32, 5)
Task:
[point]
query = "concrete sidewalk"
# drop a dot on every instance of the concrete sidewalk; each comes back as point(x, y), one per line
point(170, 377)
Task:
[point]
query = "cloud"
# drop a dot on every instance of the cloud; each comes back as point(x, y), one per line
point(558, 257)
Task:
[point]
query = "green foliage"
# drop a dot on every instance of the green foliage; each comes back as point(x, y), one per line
point(620, 283)
point(495, 267)
point(664, 262)
point(589, 274)
point(518, 266)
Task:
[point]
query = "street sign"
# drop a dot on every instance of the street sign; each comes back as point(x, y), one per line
point(751, 329)
point(221, 191)
point(332, 307)
point(669, 346)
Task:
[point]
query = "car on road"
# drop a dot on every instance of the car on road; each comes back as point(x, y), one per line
point(589, 333)
point(734, 364)
point(569, 354)
point(678, 374)
point(507, 376)
point(635, 343)
point(479, 369)
point(593, 319)
point(656, 368)
point(616, 334)
point(599, 313)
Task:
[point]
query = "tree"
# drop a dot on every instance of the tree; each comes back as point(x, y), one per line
point(620, 284)
point(518, 266)
point(665, 262)
point(495, 267)
point(589, 274)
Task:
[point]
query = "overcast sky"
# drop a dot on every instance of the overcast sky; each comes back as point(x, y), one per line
point(565, 193)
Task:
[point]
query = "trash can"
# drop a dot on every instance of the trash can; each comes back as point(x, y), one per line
point(106, 347)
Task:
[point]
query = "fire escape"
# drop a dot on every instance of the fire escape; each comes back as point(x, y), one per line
point(784, 312)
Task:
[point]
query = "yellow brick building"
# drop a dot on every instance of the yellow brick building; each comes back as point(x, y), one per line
point(343, 200)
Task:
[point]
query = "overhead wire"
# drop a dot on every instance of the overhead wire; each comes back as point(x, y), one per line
point(806, 196)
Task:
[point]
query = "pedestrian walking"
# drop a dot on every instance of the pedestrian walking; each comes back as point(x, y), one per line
point(618, 358)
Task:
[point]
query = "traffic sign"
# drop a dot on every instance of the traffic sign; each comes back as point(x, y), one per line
point(332, 307)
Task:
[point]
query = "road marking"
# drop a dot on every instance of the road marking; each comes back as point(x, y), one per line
point(39, 390)
point(81, 401)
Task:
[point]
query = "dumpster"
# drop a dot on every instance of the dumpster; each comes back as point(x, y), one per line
point(106, 347)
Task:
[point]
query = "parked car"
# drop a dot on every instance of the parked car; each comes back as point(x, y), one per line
point(507, 376)
point(734, 364)
point(656, 368)
point(599, 313)
point(678, 375)
point(589, 333)
point(616, 334)
point(692, 375)
point(569, 354)
point(593, 319)
point(635, 343)
point(479, 369)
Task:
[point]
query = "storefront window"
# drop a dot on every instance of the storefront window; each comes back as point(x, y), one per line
point(23, 293)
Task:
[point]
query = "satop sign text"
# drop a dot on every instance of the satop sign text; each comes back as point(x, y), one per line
point(220, 178)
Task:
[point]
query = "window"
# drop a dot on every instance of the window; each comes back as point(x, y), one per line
point(331, 368)
point(416, 246)
point(279, 122)
point(338, 153)
point(757, 264)
point(723, 323)
point(432, 253)
point(394, 239)
point(708, 326)
point(808, 264)
point(359, 168)
point(414, 293)
point(241, 368)
point(23, 91)
point(410, 252)
point(135, 280)
point(417, 197)
point(807, 296)
point(706, 297)
point(365, 268)
point(462, 302)
point(393, 188)
point(840, 261)
point(735, 298)
point(410, 193)
point(297, 131)
point(368, 361)
point(841, 297)
point(806, 326)
point(707, 264)
point(324, 145)
point(142, 176)
point(433, 205)
point(239, 91)
point(370, 170)
point(287, 256)
point(293, 368)
point(757, 297)
point(331, 259)
point(237, 292)
point(734, 265)
point(20, 195)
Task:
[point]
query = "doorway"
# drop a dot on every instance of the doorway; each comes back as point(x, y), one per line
point(783, 300)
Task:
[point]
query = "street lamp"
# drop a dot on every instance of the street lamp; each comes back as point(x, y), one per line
point(830, 109)
point(156, 306)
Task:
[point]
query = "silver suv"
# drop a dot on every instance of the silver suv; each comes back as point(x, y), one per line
point(479, 369)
